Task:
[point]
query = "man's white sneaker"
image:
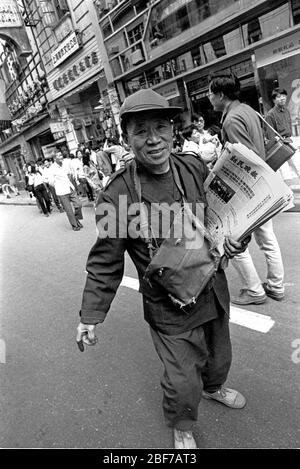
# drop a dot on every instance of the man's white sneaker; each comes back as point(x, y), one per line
point(227, 396)
point(184, 440)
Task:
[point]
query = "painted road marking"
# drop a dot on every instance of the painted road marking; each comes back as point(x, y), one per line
point(239, 316)
point(2, 351)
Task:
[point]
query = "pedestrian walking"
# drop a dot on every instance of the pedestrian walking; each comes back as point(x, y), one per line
point(279, 118)
point(46, 171)
point(40, 190)
point(11, 179)
point(66, 192)
point(193, 343)
point(240, 123)
point(104, 162)
point(113, 147)
point(78, 163)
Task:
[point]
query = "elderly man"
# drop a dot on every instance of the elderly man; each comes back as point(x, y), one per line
point(193, 343)
point(59, 179)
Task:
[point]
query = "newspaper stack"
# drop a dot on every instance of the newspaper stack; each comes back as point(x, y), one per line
point(242, 192)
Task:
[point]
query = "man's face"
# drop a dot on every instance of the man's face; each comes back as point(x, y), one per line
point(59, 159)
point(150, 135)
point(216, 100)
point(280, 100)
point(47, 163)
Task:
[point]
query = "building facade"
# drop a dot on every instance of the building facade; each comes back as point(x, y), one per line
point(88, 55)
point(173, 46)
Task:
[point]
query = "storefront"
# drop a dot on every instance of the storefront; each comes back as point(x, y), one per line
point(14, 161)
point(278, 65)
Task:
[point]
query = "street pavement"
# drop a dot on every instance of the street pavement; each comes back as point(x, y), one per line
point(54, 396)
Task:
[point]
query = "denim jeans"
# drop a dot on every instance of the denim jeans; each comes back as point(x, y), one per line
point(267, 242)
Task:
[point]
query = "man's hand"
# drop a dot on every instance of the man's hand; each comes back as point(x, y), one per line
point(86, 335)
point(233, 247)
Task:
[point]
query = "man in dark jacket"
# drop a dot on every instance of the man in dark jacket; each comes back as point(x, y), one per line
point(193, 343)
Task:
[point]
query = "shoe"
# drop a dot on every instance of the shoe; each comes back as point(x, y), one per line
point(75, 228)
point(8, 197)
point(80, 225)
point(61, 210)
point(184, 440)
point(245, 298)
point(46, 214)
point(272, 294)
point(228, 397)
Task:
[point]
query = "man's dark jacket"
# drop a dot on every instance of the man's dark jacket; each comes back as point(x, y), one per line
point(105, 264)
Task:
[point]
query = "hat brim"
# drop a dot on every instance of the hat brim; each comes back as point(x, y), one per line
point(171, 111)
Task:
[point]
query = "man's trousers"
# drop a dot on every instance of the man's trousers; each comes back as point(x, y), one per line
point(67, 201)
point(194, 360)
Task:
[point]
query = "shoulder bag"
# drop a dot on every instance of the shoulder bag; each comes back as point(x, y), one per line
point(183, 265)
point(278, 150)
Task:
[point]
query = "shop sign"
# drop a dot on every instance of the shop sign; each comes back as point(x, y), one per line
point(169, 91)
point(76, 71)
point(57, 126)
point(58, 135)
point(9, 14)
point(278, 50)
point(65, 50)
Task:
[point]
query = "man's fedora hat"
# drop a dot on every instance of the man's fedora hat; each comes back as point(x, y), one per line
point(147, 100)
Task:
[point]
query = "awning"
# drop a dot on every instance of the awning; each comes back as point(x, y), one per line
point(79, 88)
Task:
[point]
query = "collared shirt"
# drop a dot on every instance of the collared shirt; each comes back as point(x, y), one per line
point(60, 180)
point(280, 120)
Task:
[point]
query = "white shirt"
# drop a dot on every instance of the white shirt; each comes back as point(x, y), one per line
point(60, 180)
point(38, 179)
point(67, 165)
point(77, 168)
point(189, 145)
point(47, 174)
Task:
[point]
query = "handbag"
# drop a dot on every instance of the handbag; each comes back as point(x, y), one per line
point(278, 149)
point(183, 265)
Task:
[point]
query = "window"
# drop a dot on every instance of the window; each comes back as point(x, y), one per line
point(296, 11)
point(136, 33)
point(52, 11)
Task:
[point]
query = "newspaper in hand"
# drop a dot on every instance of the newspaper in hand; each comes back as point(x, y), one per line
point(242, 192)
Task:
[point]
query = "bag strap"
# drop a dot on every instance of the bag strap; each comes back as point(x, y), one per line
point(269, 125)
point(143, 213)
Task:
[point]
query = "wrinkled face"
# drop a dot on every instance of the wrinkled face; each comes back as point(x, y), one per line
point(150, 135)
point(280, 100)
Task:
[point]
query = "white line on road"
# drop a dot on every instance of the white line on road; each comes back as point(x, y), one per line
point(239, 316)
point(2, 351)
